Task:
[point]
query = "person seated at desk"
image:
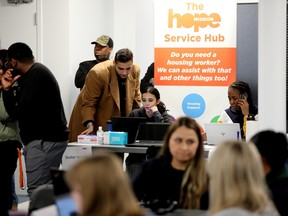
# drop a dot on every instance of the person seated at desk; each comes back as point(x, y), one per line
point(241, 106)
point(99, 186)
point(273, 148)
point(154, 110)
point(178, 173)
point(236, 185)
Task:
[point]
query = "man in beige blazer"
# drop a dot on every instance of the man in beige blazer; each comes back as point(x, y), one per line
point(112, 88)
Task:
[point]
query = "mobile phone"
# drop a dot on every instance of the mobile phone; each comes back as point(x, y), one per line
point(16, 73)
point(242, 96)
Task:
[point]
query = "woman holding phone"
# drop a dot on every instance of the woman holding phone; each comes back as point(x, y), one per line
point(241, 106)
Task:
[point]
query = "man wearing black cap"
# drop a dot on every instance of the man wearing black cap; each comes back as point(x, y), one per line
point(102, 50)
point(40, 113)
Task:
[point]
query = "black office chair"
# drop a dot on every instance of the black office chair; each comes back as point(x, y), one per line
point(152, 152)
point(41, 197)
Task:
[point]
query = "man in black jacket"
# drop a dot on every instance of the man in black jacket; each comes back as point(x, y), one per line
point(102, 50)
point(39, 110)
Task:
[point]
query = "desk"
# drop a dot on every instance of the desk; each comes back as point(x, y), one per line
point(76, 151)
point(114, 148)
point(124, 149)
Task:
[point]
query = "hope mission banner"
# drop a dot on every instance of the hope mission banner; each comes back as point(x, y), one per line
point(195, 42)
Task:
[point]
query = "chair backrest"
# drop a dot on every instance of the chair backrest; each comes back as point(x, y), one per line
point(41, 197)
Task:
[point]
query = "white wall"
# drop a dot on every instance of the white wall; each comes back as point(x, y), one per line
point(87, 22)
point(53, 43)
point(272, 64)
point(17, 24)
point(128, 22)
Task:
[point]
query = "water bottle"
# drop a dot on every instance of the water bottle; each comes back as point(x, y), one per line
point(100, 136)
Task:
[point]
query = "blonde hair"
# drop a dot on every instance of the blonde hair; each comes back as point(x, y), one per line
point(236, 178)
point(104, 186)
point(194, 182)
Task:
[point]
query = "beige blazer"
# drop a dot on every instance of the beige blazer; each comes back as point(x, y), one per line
point(99, 99)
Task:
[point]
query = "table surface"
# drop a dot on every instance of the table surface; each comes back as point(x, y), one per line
point(124, 149)
point(114, 148)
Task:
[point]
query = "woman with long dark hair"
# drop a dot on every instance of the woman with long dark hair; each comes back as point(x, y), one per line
point(178, 174)
point(154, 110)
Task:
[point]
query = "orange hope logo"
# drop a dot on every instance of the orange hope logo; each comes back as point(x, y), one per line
point(198, 20)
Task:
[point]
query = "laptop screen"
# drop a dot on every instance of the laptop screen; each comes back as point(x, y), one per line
point(127, 124)
point(152, 131)
point(66, 206)
point(219, 132)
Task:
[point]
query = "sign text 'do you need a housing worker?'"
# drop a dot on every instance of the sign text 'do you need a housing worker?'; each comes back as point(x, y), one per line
point(195, 66)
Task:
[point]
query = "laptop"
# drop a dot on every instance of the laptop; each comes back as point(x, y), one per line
point(219, 132)
point(65, 205)
point(127, 124)
point(150, 134)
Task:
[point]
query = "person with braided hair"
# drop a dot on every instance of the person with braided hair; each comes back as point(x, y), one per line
point(241, 106)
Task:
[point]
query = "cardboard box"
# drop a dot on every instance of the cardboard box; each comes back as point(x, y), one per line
point(89, 139)
point(115, 138)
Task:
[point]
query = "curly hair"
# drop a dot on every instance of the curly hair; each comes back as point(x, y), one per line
point(244, 88)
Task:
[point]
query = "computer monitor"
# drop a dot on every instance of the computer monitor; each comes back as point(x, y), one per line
point(127, 124)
